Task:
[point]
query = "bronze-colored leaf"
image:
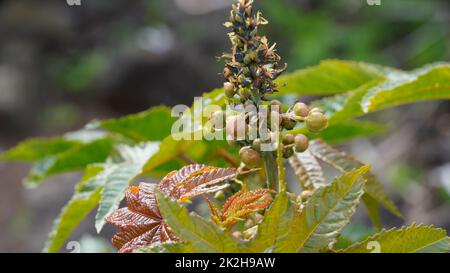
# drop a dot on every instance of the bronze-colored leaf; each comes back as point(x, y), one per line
point(239, 206)
point(194, 180)
point(140, 222)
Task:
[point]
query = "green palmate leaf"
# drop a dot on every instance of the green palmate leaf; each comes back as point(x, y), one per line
point(91, 190)
point(274, 224)
point(412, 239)
point(395, 88)
point(84, 200)
point(202, 235)
point(348, 130)
point(373, 210)
point(152, 125)
point(324, 215)
point(174, 147)
point(308, 171)
point(329, 77)
point(38, 148)
point(343, 131)
point(344, 163)
point(429, 83)
point(75, 158)
point(119, 176)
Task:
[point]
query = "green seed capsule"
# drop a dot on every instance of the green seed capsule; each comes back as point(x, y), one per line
point(219, 196)
point(256, 145)
point(276, 105)
point(306, 194)
point(301, 109)
point(244, 93)
point(287, 122)
point(227, 72)
point(316, 122)
point(288, 152)
point(250, 157)
point(229, 89)
point(288, 139)
point(228, 86)
point(301, 143)
point(247, 59)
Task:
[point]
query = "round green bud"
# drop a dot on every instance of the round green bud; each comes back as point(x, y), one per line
point(288, 152)
point(229, 89)
point(306, 194)
point(301, 109)
point(219, 196)
point(227, 72)
point(250, 157)
point(256, 145)
point(276, 105)
point(288, 123)
point(244, 93)
point(316, 122)
point(247, 59)
point(228, 86)
point(288, 139)
point(301, 143)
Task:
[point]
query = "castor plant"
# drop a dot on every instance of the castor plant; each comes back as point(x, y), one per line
point(240, 172)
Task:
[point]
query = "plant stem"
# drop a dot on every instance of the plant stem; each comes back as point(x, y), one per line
point(187, 159)
point(227, 157)
point(271, 168)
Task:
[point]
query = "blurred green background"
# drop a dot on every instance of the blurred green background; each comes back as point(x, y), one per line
point(62, 66)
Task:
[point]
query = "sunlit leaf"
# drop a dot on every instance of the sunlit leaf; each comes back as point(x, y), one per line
point(329, 77)
point(325, 214)
point(84, 200)
point(75, 158)
point(373, 210)
point(38, 148)
point(396, 88)
point(412, 239)
point(152, 125)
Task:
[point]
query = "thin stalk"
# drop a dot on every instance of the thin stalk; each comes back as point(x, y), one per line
point(271, 169)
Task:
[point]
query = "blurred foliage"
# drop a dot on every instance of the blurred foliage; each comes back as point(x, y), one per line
point(401, 33)
point(77, 73)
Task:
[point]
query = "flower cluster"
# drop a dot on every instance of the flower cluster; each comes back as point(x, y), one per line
point(253, 65)
point(250, 71)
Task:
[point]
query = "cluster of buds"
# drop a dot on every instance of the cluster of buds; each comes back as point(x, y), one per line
point(252, 66)
point(250, 72)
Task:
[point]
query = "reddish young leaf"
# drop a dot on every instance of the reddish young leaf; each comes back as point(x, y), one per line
point(239, 206)
point(140, 222)
point(194, 180)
